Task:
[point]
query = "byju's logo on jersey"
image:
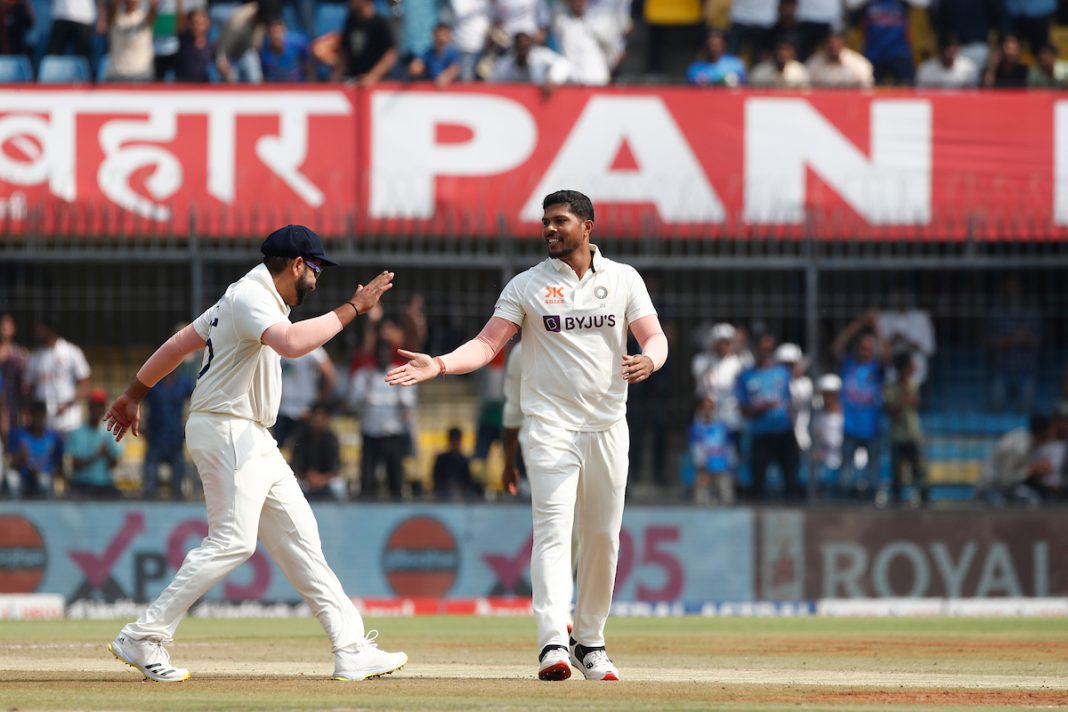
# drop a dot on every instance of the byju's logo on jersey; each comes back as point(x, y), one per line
point(556, 323)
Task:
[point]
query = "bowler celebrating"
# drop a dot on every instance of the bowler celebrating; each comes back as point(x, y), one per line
point(249, 490)
point(574, 308)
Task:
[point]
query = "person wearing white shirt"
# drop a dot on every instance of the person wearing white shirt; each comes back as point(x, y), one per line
point(782, 71)
point(715, 372)
point(909, 329)
point(59, 376)
point(527, 63)
point(575, 309)
point(529, 16)
point(471, 25)
point(582, 41)
point(250, 492)
point(73, 24)
point(949, 70)
point(838, 67)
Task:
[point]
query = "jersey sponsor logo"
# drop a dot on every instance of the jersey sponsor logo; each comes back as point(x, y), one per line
point(554, 295)
point(556, 323)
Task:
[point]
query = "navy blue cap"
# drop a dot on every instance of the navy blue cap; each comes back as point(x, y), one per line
point(295, 241)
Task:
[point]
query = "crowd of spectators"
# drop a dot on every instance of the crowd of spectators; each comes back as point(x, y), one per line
point(762, 43)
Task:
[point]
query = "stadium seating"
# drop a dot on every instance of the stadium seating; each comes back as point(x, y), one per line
point(15, 69)
point(64, 70)
point(330, 17)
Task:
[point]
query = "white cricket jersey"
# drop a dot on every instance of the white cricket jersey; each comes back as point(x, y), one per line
point(575, 336)
point(240, 376)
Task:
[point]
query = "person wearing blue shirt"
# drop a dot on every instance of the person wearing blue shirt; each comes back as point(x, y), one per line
point(37, 454)
point(863, 377)
point(763, 394)
point(284, 56)
point(713, 456)
point(165, 432)
point(886, 40)
point(94, 453)
point(714, 67)
point(441, 62)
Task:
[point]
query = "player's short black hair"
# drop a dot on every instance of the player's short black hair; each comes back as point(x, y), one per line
point(276, 264)
point(576, 202)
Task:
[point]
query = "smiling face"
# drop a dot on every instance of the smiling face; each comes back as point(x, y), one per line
point(564, 232)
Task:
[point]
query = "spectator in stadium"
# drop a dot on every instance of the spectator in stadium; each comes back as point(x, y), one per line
point(675, 29)
point(970, 22)
point(715, 373)
point(648, 415)
point(73, 25)
point(164, 432)
point(441, 62)
point(165, 40)
point(490, 409)
point(368, 50)
point(306, 380)
point(902, 398)
point(763, 394)
point(13, 383)
point(828, 433)
point(781, 71)
point(1006, 69)
point(196, 51)
point(472, 20)
point(816, 20)
point(58, 375)
point(750, 31)
point(16, 19)
point(237, 50)
point(791, 356)
point(951, 69)
point(94, 453)
point(1013, 335)
point(713, 66)
point(412, 23)
point(37, 454)
point(1049, 72)
point(838, 67)
point(1011, 462)
point(529, 63)
point(885, 24)
point(452, 470)
point(284, 55)
point(131, 56)
point(713, 456)
point(863, 378)
point(587, 44)
point(1045, 476)
point(316, 456)
point(1030, 20)
point(787, 28)
point(531, 17)
point(906, 327)
point(385, 415)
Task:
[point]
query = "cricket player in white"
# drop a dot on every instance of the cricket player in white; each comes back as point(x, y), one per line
point(249, 489)
point(574, 308)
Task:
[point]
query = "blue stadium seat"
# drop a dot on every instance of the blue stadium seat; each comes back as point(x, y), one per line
point(64, 70)
point(15, 69)
point(330, 17)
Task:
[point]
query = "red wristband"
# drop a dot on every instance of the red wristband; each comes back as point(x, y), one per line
point(441, 365)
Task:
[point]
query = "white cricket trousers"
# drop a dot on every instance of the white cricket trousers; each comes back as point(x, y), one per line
point(249, 489)
point(584, 475)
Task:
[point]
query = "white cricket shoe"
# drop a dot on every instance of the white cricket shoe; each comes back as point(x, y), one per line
point(553, 665)
point(365, 661)
point(148, 656)
point(593, 662)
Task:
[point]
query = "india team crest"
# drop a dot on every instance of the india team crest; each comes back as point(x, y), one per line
point(601, 292)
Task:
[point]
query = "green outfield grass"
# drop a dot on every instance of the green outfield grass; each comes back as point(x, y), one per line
point(460, 663)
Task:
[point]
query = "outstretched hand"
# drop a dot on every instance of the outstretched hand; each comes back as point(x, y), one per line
point(420, 368)
point(366, 296)
point(125, 414)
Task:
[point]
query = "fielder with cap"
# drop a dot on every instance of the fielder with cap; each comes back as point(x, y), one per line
point(249, 489)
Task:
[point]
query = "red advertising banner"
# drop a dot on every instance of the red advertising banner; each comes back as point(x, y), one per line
point(478, 159)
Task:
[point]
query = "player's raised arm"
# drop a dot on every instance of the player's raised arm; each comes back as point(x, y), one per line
point(295, 340)
point(654, 344)
point(470, 356)
point(125, 412)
